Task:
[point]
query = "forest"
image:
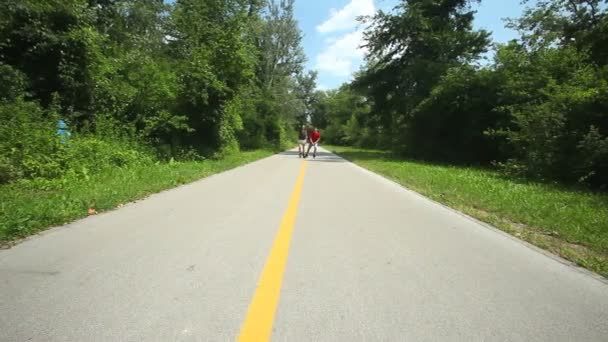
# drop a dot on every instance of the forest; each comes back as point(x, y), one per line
point(537, 109)
point(92, 84)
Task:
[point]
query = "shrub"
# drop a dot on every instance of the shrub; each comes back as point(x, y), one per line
point(28, 140)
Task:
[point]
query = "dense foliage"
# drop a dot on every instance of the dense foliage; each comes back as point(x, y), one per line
point(139, 80)
point(539, 109)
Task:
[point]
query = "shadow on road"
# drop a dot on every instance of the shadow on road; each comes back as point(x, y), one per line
point(324, 157)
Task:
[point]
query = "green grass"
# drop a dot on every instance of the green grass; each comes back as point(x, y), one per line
point(28, 207)
point(573, 224)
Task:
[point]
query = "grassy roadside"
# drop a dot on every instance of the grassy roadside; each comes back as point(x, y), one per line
point(29, 207)
point(572, 224)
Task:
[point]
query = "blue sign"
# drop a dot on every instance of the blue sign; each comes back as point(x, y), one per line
point(62, 130)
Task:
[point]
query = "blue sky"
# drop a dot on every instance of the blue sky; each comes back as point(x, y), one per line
point(331, 36)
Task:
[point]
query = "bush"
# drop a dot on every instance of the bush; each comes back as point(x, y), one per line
point(334, 134)
point(91, 154)
point(7, 170)
point(449, 124)
point(28, 140)
point(12, 82)
point(32, 148)
point(558, 106)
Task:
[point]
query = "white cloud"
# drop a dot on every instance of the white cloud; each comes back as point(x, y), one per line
point(341, 57)
point(346, 18)
point(343, 52)
point(322, 87)
point(330, 40)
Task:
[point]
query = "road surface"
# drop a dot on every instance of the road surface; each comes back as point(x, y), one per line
point(320, 250)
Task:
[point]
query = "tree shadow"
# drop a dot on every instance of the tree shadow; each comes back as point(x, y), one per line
point(491, 171)
point(321, 156)
point(369, 155)
point(389, 156)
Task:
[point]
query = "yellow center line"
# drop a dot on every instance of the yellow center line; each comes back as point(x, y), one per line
point(260, 316)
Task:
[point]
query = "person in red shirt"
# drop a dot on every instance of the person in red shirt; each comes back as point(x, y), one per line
point(315, 136)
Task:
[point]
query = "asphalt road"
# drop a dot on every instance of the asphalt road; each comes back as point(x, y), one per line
point(320, 250)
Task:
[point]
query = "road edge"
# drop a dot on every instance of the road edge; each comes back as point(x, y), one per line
point(486, 225)
point(9, 245)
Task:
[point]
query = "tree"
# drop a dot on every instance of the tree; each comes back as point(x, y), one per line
point(318, 109)
point(582, 24)
point(216, 61)
point(410, 50)
point(280, 44)
point(282, 90)
point(343, 114)
point(305, 89)
point(56, 46)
